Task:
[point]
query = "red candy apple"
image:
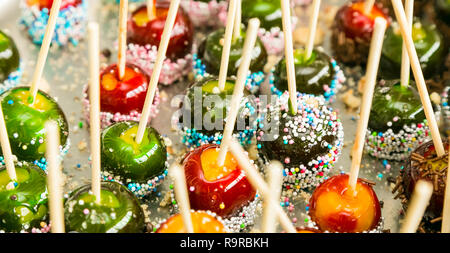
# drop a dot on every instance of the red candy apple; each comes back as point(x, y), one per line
point(335, 207)
point(220, 189)
point(48, 3)
point(126, 95)
point(144, 30)
point(352, 20)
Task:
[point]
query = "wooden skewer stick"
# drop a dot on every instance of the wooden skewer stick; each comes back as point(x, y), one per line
point(275, 183)
point(289, 54)
point(368, 6)
point(420, 80)
point(6, 148)
point(406, 66)
point(419, 202)
point(165, 38)
point(312, 28)
point(258, 183)
point(446, 210)
point(228, 37)
point(238, 20)
point(122, 54)
point(369, 87)
point(54, 178)
point(182, 196)
point(151, 9)
point(43, 53)
point(238, 92)
point(94, 97)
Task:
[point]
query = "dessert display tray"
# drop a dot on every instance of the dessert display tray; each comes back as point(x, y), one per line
point(66, 73)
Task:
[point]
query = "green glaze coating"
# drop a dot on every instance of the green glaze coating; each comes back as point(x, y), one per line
point(26, 122)
point(210, 51)
point(9, 56)
point(392, 100)
point(429, 45)
point(25, 206)
point(267, 11)
point(119, 211)
point(310, 74)
point(214, 112)
point(122, 156)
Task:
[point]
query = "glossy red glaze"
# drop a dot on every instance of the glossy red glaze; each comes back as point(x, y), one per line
point(48, 3)
point(126, 95)
point(351, 19)
point(231, 192)
point(335, 208)
point(150, 32)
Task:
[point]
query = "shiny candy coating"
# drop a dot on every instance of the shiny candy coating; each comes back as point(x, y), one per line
point(119, 211)
point(23, 207)
point(26, 122)
point(223, 193)
point(122, 156)
point(335, 207)
point(143, 31)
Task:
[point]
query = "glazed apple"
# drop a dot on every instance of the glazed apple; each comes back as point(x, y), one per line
point(25, 206)
point(123, 156)
point(210, 50)
point(352, 20)
point(201, 221)
point(429, 44)
point(267, 11)
point(310, 74)
point(391, 100)
point(9, 56)
point(25, 122)
point(335, 207)
point(144, 30)
point(428, 167)
point(47, 4)
point(119, 211)
point(220, 189)
point(126, 95)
